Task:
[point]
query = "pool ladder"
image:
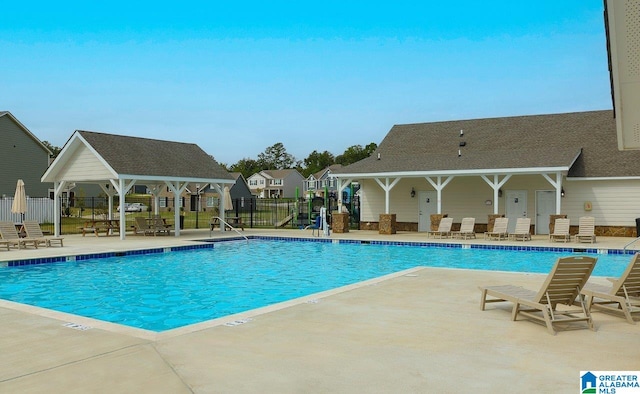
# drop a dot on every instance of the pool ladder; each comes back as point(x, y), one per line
point(228, 225)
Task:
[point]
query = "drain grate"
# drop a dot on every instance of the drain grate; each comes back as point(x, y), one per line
point(77, 326)
point(237, 322)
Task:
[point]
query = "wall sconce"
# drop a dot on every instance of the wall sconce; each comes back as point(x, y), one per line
point(413, 192)
point(499, 192)
point(562, 192)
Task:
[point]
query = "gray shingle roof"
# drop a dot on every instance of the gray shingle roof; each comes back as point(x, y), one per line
point(520, 142)
point(150, 157)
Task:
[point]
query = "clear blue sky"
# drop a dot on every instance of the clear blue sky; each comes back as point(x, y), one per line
point(236, 77)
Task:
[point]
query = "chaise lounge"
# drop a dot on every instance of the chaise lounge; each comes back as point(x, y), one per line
point(444, 228)
point(622, 296)
point(562, 287)
point(33, 230)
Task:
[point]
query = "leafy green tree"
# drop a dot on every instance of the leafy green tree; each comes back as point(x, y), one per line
point(356, 153)
point(316, 162)
point(276, 157)
point(246, 167)
point(54, 149)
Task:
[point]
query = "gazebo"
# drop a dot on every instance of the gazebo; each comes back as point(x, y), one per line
point(116, 163)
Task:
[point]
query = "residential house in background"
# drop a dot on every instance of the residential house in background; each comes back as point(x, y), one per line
point(276, 183)
point(315, 184)
point(22, 156)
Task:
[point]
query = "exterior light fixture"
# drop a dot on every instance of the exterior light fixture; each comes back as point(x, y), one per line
point(413, 192)
point(562, 192)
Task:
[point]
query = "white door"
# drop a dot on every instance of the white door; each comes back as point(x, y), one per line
point(515, 207)
point(427, 206)
point(545, 206)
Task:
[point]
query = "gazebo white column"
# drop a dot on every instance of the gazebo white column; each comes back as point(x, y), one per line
point(342, 184)
point(58, 187)
point(177, 188)
point(121, 188)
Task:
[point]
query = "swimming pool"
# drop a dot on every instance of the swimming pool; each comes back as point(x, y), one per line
point(162, 291)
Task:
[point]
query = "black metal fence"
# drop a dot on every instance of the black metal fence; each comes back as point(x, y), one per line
point(254, 212)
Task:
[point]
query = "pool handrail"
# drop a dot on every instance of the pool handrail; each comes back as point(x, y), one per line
point(632, 242)
point(228, 225)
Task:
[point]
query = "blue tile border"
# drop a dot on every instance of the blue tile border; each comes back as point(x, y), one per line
point(209, 243)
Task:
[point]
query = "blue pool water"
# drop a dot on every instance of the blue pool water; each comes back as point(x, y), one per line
point(168, 290)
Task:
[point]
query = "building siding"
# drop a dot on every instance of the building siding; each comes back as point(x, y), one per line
point(21, 158)
point(84, 165)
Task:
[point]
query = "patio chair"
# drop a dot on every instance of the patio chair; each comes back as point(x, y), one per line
point(562, 287)
point(444, 228)
point(141, 225)
point(586, 230)
point(561, 231)
point(9, 234)
point(522, 230)
point(622, 296)
point(466, 229)
point(33, 230)
point(160, 225)
point(499, 230)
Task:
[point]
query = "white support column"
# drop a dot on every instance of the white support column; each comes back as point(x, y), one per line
point(177, 188)
point(57, 190)
point(155, 192)
point(386, 186)
point(121, 189)
point(342, 184)
point(218, 188)
point(439, 185)
point(110, 193)
point(496, 184)
point(558, 185)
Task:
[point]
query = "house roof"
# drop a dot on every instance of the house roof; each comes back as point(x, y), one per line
point(144, 158)
point(582, 143)
point(331, 168)
point(278, 174)
point(24, 128)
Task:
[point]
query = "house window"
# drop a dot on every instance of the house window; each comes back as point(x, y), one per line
point(163, 202)
point(253, 182)
point(212, 202)
point(276, 182)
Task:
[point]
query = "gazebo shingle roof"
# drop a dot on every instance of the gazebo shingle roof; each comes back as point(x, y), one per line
point(522, 142)
point(150, 157)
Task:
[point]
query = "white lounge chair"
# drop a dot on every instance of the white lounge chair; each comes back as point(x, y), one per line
point(466, 229)
point(586, 230)
point(444, 228)
point(561, 231)
point(499, 231)
point(522, 230)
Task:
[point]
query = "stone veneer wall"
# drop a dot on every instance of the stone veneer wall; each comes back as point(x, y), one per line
point(602, 231)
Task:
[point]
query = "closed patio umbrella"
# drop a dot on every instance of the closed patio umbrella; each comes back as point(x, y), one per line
point(20, 200)
point(228, 203)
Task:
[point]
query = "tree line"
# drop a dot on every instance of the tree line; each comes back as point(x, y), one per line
point(276, 157)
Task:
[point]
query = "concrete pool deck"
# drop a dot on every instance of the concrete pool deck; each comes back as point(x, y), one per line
point(418, 331)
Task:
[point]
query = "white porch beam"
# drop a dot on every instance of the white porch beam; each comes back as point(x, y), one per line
point(386, 186)
point(496, 184)
point(177, 188)
point(438, 184)
point(558, 185)
point(218, 188)
point(342, 184)
point(58, 187)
